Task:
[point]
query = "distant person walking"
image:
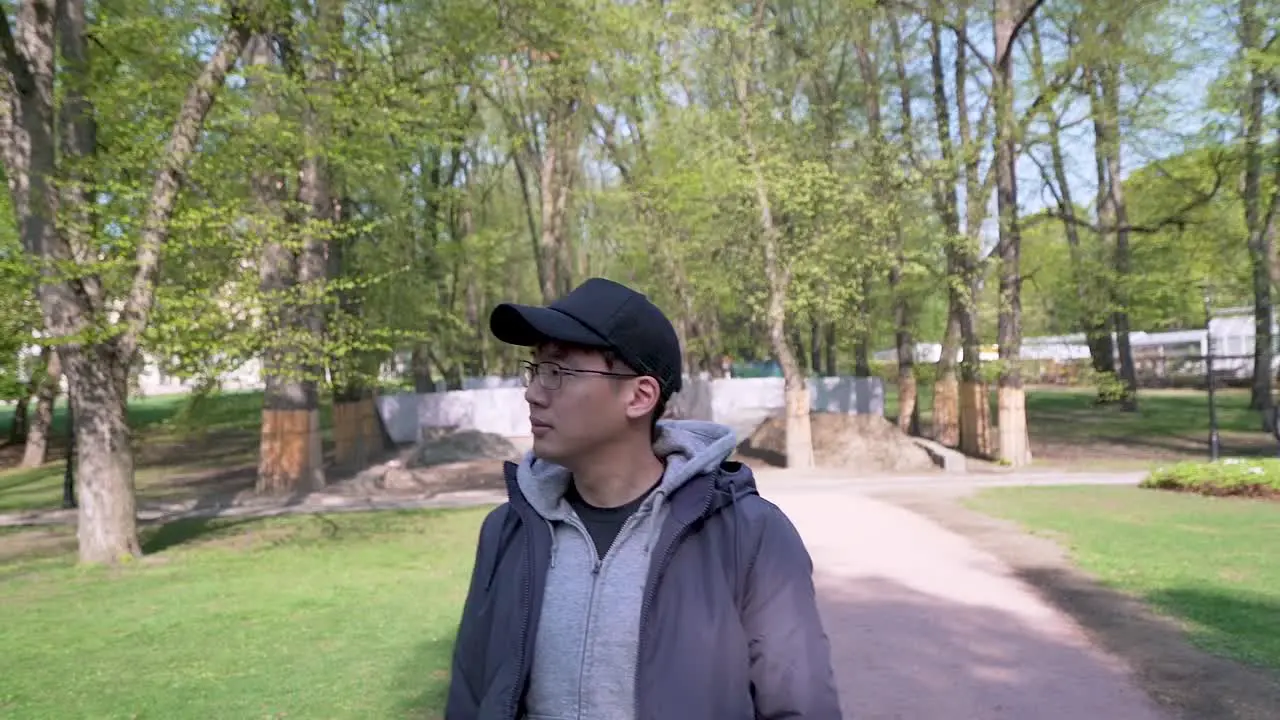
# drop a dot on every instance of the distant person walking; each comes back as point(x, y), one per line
point(634, 573)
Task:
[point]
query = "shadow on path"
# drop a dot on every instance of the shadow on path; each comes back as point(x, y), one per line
point(901, 653)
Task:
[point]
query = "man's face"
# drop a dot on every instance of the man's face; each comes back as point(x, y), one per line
point(586, 410)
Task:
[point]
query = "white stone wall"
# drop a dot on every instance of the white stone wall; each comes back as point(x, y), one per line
point(740, 403)
point(501, 411)
point(744, 403)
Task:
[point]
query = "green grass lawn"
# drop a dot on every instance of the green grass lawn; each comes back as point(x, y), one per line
point(222, 411)
point(341, 616)
point(1067, 428)
point(1160, 412)
point(1214, 563)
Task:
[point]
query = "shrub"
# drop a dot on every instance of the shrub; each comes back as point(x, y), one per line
point(1234, 476)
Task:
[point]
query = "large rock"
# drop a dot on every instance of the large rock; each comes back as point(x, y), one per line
point(440, 446)
point(445, 460)
point(868, 444)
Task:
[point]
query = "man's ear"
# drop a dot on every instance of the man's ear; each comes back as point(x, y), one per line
point(644, 397)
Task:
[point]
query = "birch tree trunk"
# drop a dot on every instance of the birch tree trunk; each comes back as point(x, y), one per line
point(799, 443)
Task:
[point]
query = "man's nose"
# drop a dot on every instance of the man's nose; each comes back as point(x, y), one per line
point(535, 394)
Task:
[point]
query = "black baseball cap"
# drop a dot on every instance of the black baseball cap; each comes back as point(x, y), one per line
point(602, 314)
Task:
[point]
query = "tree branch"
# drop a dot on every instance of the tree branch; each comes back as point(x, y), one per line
point(168, 181)
point(1177, 219)
point(1173, 221)
point(1027, 14)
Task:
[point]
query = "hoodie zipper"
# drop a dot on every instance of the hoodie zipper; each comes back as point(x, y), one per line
point(652, 591)
point(591, 599)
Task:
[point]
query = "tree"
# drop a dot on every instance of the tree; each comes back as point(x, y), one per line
point(1087, 273)
point(777, 270)
point(1015, 445)
point(1260, 222)
point(48, 181)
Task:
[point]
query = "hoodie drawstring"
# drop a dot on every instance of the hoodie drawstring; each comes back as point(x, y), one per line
point(655, 527)
point(552, 526)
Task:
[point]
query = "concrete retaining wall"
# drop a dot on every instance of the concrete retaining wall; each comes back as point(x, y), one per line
point(740, 403)
point(501, 411)
point(744, 403)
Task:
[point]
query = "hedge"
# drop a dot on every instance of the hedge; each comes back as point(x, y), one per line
point(1233, 476)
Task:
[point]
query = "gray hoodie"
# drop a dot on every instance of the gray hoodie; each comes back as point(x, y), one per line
point(585, 653)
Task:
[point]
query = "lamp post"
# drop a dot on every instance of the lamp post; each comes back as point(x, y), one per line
point(68, 470)
point(1214, 442)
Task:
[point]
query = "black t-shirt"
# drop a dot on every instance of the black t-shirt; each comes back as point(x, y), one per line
point(603, 524)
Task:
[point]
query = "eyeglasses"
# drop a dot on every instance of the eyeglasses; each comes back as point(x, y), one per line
point(551, 375)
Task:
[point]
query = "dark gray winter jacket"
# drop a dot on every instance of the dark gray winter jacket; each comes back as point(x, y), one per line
point(728, 624)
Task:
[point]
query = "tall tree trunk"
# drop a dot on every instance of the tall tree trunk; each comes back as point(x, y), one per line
point(1258, 224)
point(19, 422)
point(1015, 446)
point(292, 456)
point(815, 345)
point(946, 390)
point(555, 180)
point(567, 167)
point(878, 159)
point(1105, 135)
point(107, 530)
point(908, 405)
point(357, 431)
point(903, 315)
point(862, 345)
point(420, 368)
point(829, 348)
point(799, 442)
point(36, 451)
point(1108, 76)
point(277, 273)
point(1096, 323)
point(975, 406)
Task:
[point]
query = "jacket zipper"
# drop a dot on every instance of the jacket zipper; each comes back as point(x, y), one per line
point(513, 705)
point(652, 591)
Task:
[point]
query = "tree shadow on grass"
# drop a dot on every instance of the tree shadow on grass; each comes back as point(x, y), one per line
point(1203, 683)
point(1244, 624)
point(165, 536)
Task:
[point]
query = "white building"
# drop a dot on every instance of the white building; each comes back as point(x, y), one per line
point(1177, 351)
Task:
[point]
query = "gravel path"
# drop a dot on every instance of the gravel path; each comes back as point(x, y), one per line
point(924, 625)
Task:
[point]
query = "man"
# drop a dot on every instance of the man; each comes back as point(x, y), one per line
point(634, 573)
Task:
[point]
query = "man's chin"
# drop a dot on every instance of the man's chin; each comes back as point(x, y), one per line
point(544, 449)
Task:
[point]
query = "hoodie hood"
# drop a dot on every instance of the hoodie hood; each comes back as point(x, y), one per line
point(688, 448)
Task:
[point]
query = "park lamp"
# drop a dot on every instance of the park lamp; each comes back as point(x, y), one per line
point(1215, 443)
